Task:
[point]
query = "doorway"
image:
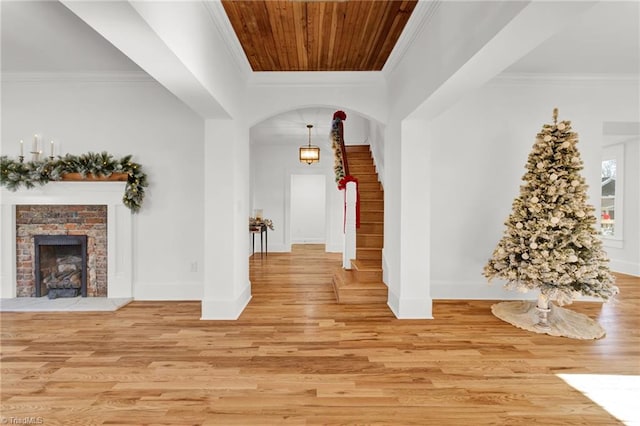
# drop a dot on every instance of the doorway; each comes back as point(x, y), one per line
point(308, 209)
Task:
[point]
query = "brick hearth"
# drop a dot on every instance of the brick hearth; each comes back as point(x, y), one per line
point(89, 220)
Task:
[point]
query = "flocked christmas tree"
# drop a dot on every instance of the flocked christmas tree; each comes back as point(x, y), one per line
point(550, 242)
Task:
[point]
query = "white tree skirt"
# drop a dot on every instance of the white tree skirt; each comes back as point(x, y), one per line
point(561, 322)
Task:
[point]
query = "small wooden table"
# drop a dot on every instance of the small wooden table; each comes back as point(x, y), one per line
point(262, 230)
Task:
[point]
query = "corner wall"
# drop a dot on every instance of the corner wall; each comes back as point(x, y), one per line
point(478, 161)
point(127, 116)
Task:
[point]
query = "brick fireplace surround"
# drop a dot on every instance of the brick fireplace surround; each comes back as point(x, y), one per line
point(89, 220)
point(55, 209)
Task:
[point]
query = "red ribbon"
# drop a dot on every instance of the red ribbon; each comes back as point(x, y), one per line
point(342, 185)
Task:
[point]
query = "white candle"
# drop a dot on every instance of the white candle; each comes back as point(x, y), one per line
point(52, 148)
point(35, 144)
point(21, 148)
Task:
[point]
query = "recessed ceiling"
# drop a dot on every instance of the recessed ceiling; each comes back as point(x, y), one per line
point(317, 35)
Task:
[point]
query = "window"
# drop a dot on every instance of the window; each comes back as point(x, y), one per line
point(611, 194)
point(608, 198)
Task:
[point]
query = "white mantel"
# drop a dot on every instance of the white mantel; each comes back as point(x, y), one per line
point(119, 229)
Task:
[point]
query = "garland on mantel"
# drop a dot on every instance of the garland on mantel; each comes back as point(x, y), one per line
point(14, 174)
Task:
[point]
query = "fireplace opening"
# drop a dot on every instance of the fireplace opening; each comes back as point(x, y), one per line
point(60, 265)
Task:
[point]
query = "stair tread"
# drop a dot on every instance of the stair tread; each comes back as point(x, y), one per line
point(356, 147)
point(345, 279)
point(366, 265)
point(348, 291)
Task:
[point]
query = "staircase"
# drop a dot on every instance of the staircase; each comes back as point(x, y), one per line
point(363, 283)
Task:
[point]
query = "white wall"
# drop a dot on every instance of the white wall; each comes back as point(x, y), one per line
point(227, 289)
point(479, 150)
point(163, 135)
point(270, 94)
point(376, 144)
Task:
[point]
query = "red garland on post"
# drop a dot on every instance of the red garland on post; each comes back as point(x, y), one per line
point(340, 114)
point(341, 165)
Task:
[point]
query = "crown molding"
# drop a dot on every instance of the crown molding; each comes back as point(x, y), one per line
point(223, 25)
point(316, 78)
point(77, 77)
point(507, 79)
point(422, 14)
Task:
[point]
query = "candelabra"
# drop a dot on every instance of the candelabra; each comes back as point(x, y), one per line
point(36, 150)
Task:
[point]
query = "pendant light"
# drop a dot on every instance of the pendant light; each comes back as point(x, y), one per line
point(309, 154)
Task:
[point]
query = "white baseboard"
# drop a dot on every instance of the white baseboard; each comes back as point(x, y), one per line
point(226, 309)
point(474, 290)
point(333, 248)
point(404, 308)
point(624, 267)
point(481, 290)
point(385, 269)
point(274, 248)
point(286, 248)
point(310, 241)
point(185, 290)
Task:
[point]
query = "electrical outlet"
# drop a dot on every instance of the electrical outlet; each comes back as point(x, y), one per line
point(194, 266)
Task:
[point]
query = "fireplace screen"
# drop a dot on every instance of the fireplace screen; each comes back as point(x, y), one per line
point(61, 265)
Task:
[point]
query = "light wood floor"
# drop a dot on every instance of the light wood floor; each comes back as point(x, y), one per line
point(296, 357)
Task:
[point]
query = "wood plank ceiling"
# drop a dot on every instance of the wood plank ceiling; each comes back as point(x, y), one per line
point(318, 35)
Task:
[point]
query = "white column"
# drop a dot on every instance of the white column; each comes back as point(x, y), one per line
point(227, 289)
point(119, 251)
point(7, 251)
point(411, 298)
point(349, 251)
